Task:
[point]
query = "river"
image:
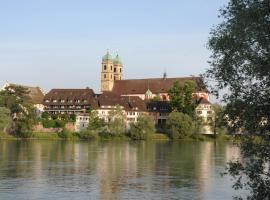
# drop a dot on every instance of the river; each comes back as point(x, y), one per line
point(31, 170)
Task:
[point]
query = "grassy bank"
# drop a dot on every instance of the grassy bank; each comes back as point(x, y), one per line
point(5, 136)
point(76, 136)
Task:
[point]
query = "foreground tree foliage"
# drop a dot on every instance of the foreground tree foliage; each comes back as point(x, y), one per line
point(16, 99)
point(180, 125)
point(143, 128)
point(181, 97)
point(240, 63)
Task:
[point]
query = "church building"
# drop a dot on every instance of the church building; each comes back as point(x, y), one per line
point(112, 81)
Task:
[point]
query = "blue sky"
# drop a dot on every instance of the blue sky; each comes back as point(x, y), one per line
point(59, 43)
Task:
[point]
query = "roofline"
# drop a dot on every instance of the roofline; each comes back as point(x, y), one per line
point(186, 77)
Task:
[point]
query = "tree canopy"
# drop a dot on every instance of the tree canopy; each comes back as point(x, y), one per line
point(180, 125)
point(181, 97)
point(143, 128)
point(17, 100)
point(240, 61)
point(116, 123)
point(240, 64)
point(5, 118)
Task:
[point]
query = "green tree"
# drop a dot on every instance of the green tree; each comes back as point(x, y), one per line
point(219, 122)
point(73, 117)
point(45, 115)
point(5, 118)
point(17, 100)
point(95, 122)
point(59, 123)
point(143, 128)
point(240, 64)
point(116, 125)
point(48, 123)
point(181, 97)
point(88, 134)
point(180, 125)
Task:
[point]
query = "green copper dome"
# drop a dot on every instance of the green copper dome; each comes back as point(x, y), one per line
point(117, 60)
point(106, 57)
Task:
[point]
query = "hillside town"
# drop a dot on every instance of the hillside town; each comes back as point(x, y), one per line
point(136, 97)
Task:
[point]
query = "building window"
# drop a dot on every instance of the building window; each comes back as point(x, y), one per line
point(199, 112)
point(120, 70)
point(111, 67)
point(104, 75)
point(209, 112)
point(105, 67)
point(111, 76)
point(114, 70)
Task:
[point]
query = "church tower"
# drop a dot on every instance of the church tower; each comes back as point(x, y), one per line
point(107, 73)
point(118, 68)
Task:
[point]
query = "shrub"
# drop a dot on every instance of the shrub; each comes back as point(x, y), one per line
point(48, 123)
point(88, 135)
point(73, 117)
point(180, 125)
point(23, 129)
point(116, 127)
point(45, 115)
point(143, 128)
point(65, 134)
point(59, 123)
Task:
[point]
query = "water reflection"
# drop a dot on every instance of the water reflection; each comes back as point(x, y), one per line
point(114, 170)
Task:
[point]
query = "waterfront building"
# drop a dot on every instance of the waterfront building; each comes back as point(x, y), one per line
point(150, 89)
point(107, 102)
point(132, 107)
point(112, 81)
point(82, 121)
point(160, 111)
point(69, 101)
point(133, 96)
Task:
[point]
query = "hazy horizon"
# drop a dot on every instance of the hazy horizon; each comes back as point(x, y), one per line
point(60, 44)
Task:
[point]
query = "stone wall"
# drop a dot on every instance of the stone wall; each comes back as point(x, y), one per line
point(39, 128)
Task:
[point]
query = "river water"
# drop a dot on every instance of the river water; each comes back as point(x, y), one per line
point(31, 170)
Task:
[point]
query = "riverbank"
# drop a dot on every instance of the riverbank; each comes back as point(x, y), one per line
point(76, 136)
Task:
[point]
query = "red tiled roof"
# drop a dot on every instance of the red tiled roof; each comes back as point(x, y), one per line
point(35, 93)
point(203, 101)
point(129, 103)
point(70, 94)
point(155, 85)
